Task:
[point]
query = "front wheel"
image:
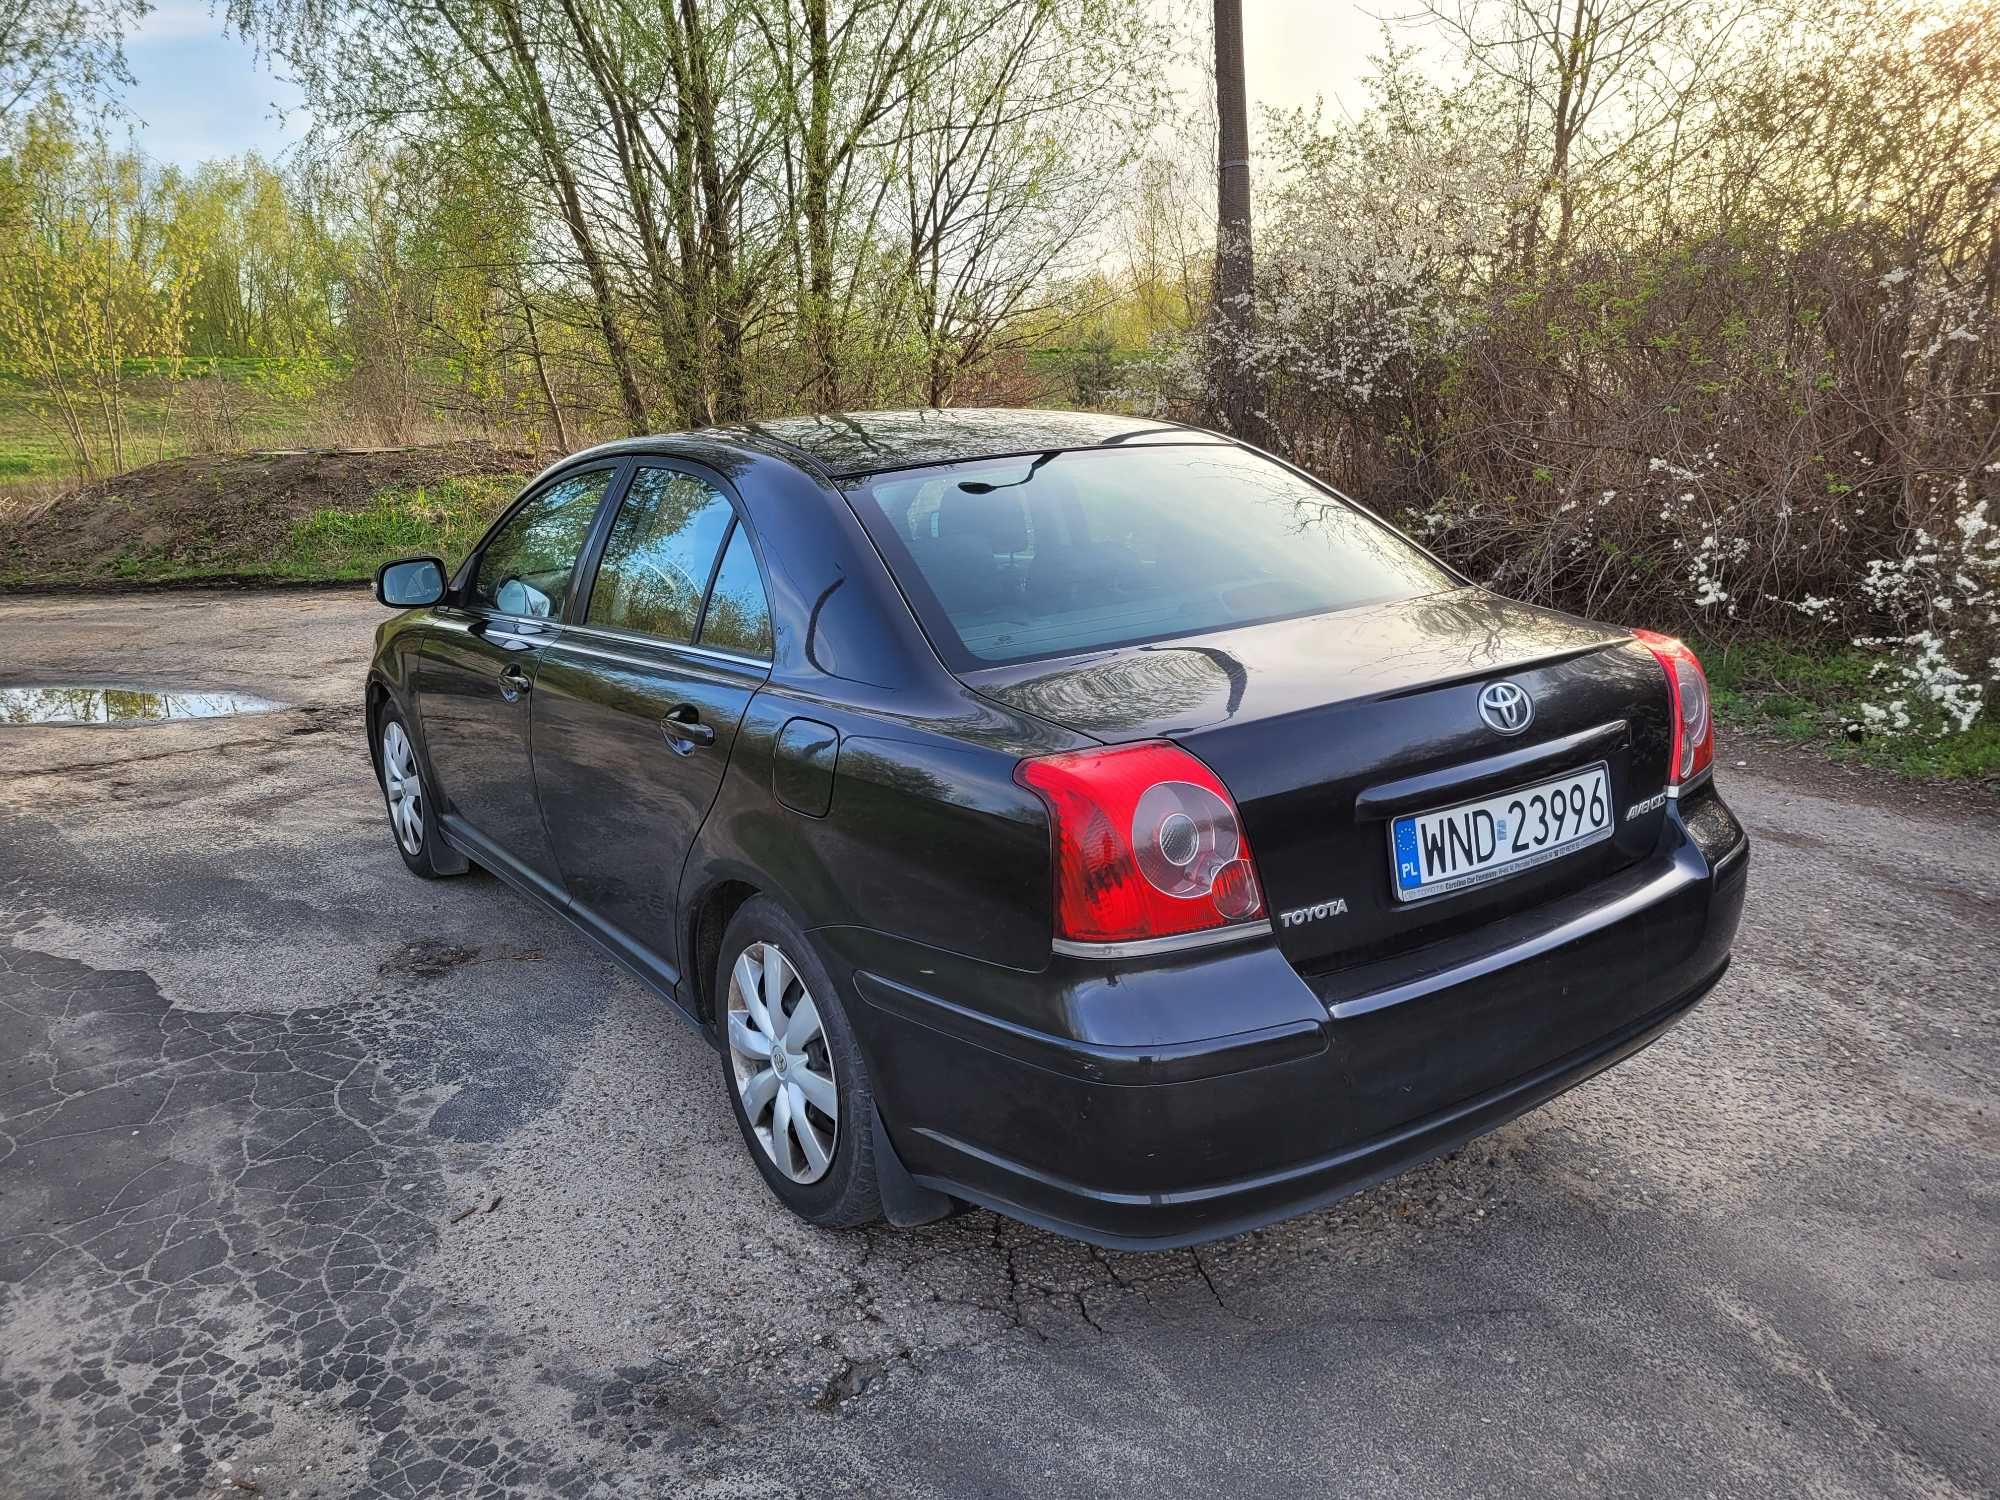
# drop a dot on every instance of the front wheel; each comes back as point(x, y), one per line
point(412, 810)
point(796, 1077)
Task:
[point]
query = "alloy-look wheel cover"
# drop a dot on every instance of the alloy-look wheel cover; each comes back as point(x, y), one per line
point(404, 788)
point(779, 1058)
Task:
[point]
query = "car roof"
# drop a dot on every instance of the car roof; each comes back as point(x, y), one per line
point(846, 445)
point(849, 445)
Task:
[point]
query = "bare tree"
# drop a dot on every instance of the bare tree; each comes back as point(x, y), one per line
point(1012, 143)
point(1592, 85)
point(72, 49)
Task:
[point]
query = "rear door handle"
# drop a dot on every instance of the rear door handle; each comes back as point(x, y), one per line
point(513, 683)
point(684, 730)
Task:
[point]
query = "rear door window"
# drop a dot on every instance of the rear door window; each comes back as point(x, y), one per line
point(525, 569)
point(659, 557)
point(738, 618)
point(1017, 558)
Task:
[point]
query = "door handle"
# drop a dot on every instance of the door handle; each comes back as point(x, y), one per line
point(684, 730)
point(513, 683)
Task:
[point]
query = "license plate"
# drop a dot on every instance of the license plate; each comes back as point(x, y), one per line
point(1456, 847)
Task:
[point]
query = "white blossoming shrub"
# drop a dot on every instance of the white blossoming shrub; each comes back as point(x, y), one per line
point(1723, 399)
point(1939, 668)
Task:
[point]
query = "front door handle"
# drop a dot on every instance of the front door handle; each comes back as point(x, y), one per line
point(684, 730)
point(513, 683)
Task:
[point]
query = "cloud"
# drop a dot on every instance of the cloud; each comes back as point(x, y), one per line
point(177, 21)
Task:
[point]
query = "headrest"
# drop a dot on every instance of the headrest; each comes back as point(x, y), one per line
point(999, 520)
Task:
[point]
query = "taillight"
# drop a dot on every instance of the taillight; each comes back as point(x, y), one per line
point(1694, 724)
point(1147, 844)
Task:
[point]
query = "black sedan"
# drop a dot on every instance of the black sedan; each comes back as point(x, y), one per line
point(1091, 818)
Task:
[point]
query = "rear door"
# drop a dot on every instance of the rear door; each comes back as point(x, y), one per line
point(637, 703)
point(479, 667)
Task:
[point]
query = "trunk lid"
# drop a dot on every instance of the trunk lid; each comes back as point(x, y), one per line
point(1326, 728)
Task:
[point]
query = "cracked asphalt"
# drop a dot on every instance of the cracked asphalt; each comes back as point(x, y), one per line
point(316, 1180)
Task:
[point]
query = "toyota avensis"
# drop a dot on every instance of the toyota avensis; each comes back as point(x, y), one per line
point(1094, 819)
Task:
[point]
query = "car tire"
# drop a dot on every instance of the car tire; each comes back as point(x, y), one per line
point(413, 825)
point(782, 1071)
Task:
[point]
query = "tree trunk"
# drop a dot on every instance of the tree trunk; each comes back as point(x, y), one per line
point(579, 227)
point(542, 374)
point(723, 275)
point(821, 354)
point(634, 160)
point(1235, 399)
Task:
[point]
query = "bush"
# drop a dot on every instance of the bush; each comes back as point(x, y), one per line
point(1737, 380)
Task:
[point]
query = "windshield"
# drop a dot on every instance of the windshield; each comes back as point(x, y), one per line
point(1010, 559)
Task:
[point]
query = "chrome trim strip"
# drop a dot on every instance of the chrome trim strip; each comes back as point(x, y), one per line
point(1671, 880)
point(589, 636)
point(528, 624)
point(1422, 793)
point(1180, 942)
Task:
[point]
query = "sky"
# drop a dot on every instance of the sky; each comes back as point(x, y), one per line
point(203, 94)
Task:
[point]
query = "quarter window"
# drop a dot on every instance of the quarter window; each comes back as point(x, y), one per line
point(526, 567)
point(658, 559)
point(738, 618)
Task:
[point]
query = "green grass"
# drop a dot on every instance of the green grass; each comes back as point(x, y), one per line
point(441, 520)
point(1811, 697)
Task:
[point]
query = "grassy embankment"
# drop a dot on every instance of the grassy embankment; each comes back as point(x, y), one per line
point(440, 520)
point(231, 399)
point(325, 543)
point(183, 513)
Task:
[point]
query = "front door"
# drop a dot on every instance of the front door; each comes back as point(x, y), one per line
point(479, 670)
point(637, 704)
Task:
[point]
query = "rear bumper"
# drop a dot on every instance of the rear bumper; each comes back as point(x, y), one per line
point(1348, 1079)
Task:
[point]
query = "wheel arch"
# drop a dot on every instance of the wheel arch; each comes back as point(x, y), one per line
point(378, 695)
point(708, 918)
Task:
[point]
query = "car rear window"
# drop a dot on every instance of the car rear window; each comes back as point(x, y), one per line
point(1017, 558)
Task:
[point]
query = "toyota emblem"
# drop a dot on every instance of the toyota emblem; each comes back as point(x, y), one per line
point(1506, 707)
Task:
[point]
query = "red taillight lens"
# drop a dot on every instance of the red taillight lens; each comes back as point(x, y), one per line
point(1694, 724)
point(1146, 843)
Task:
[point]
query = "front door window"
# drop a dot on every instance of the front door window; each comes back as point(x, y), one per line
point(525, 569)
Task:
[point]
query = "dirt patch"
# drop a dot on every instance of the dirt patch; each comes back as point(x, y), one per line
point(217, 514)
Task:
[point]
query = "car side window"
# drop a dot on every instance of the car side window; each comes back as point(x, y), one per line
point(526, 567)
point(739, 617)
point(661, 551)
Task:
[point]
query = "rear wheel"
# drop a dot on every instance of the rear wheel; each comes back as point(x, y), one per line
point(412, 810)
point(796, 1077)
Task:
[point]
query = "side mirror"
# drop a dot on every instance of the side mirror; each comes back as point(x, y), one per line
point(411, 583)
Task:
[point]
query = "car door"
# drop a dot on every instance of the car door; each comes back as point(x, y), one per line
point(637, 703)
point(479, 668)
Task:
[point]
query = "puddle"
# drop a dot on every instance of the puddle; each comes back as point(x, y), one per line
point(120, 706)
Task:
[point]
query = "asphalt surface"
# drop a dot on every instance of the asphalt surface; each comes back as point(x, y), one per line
point(319, 1180)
